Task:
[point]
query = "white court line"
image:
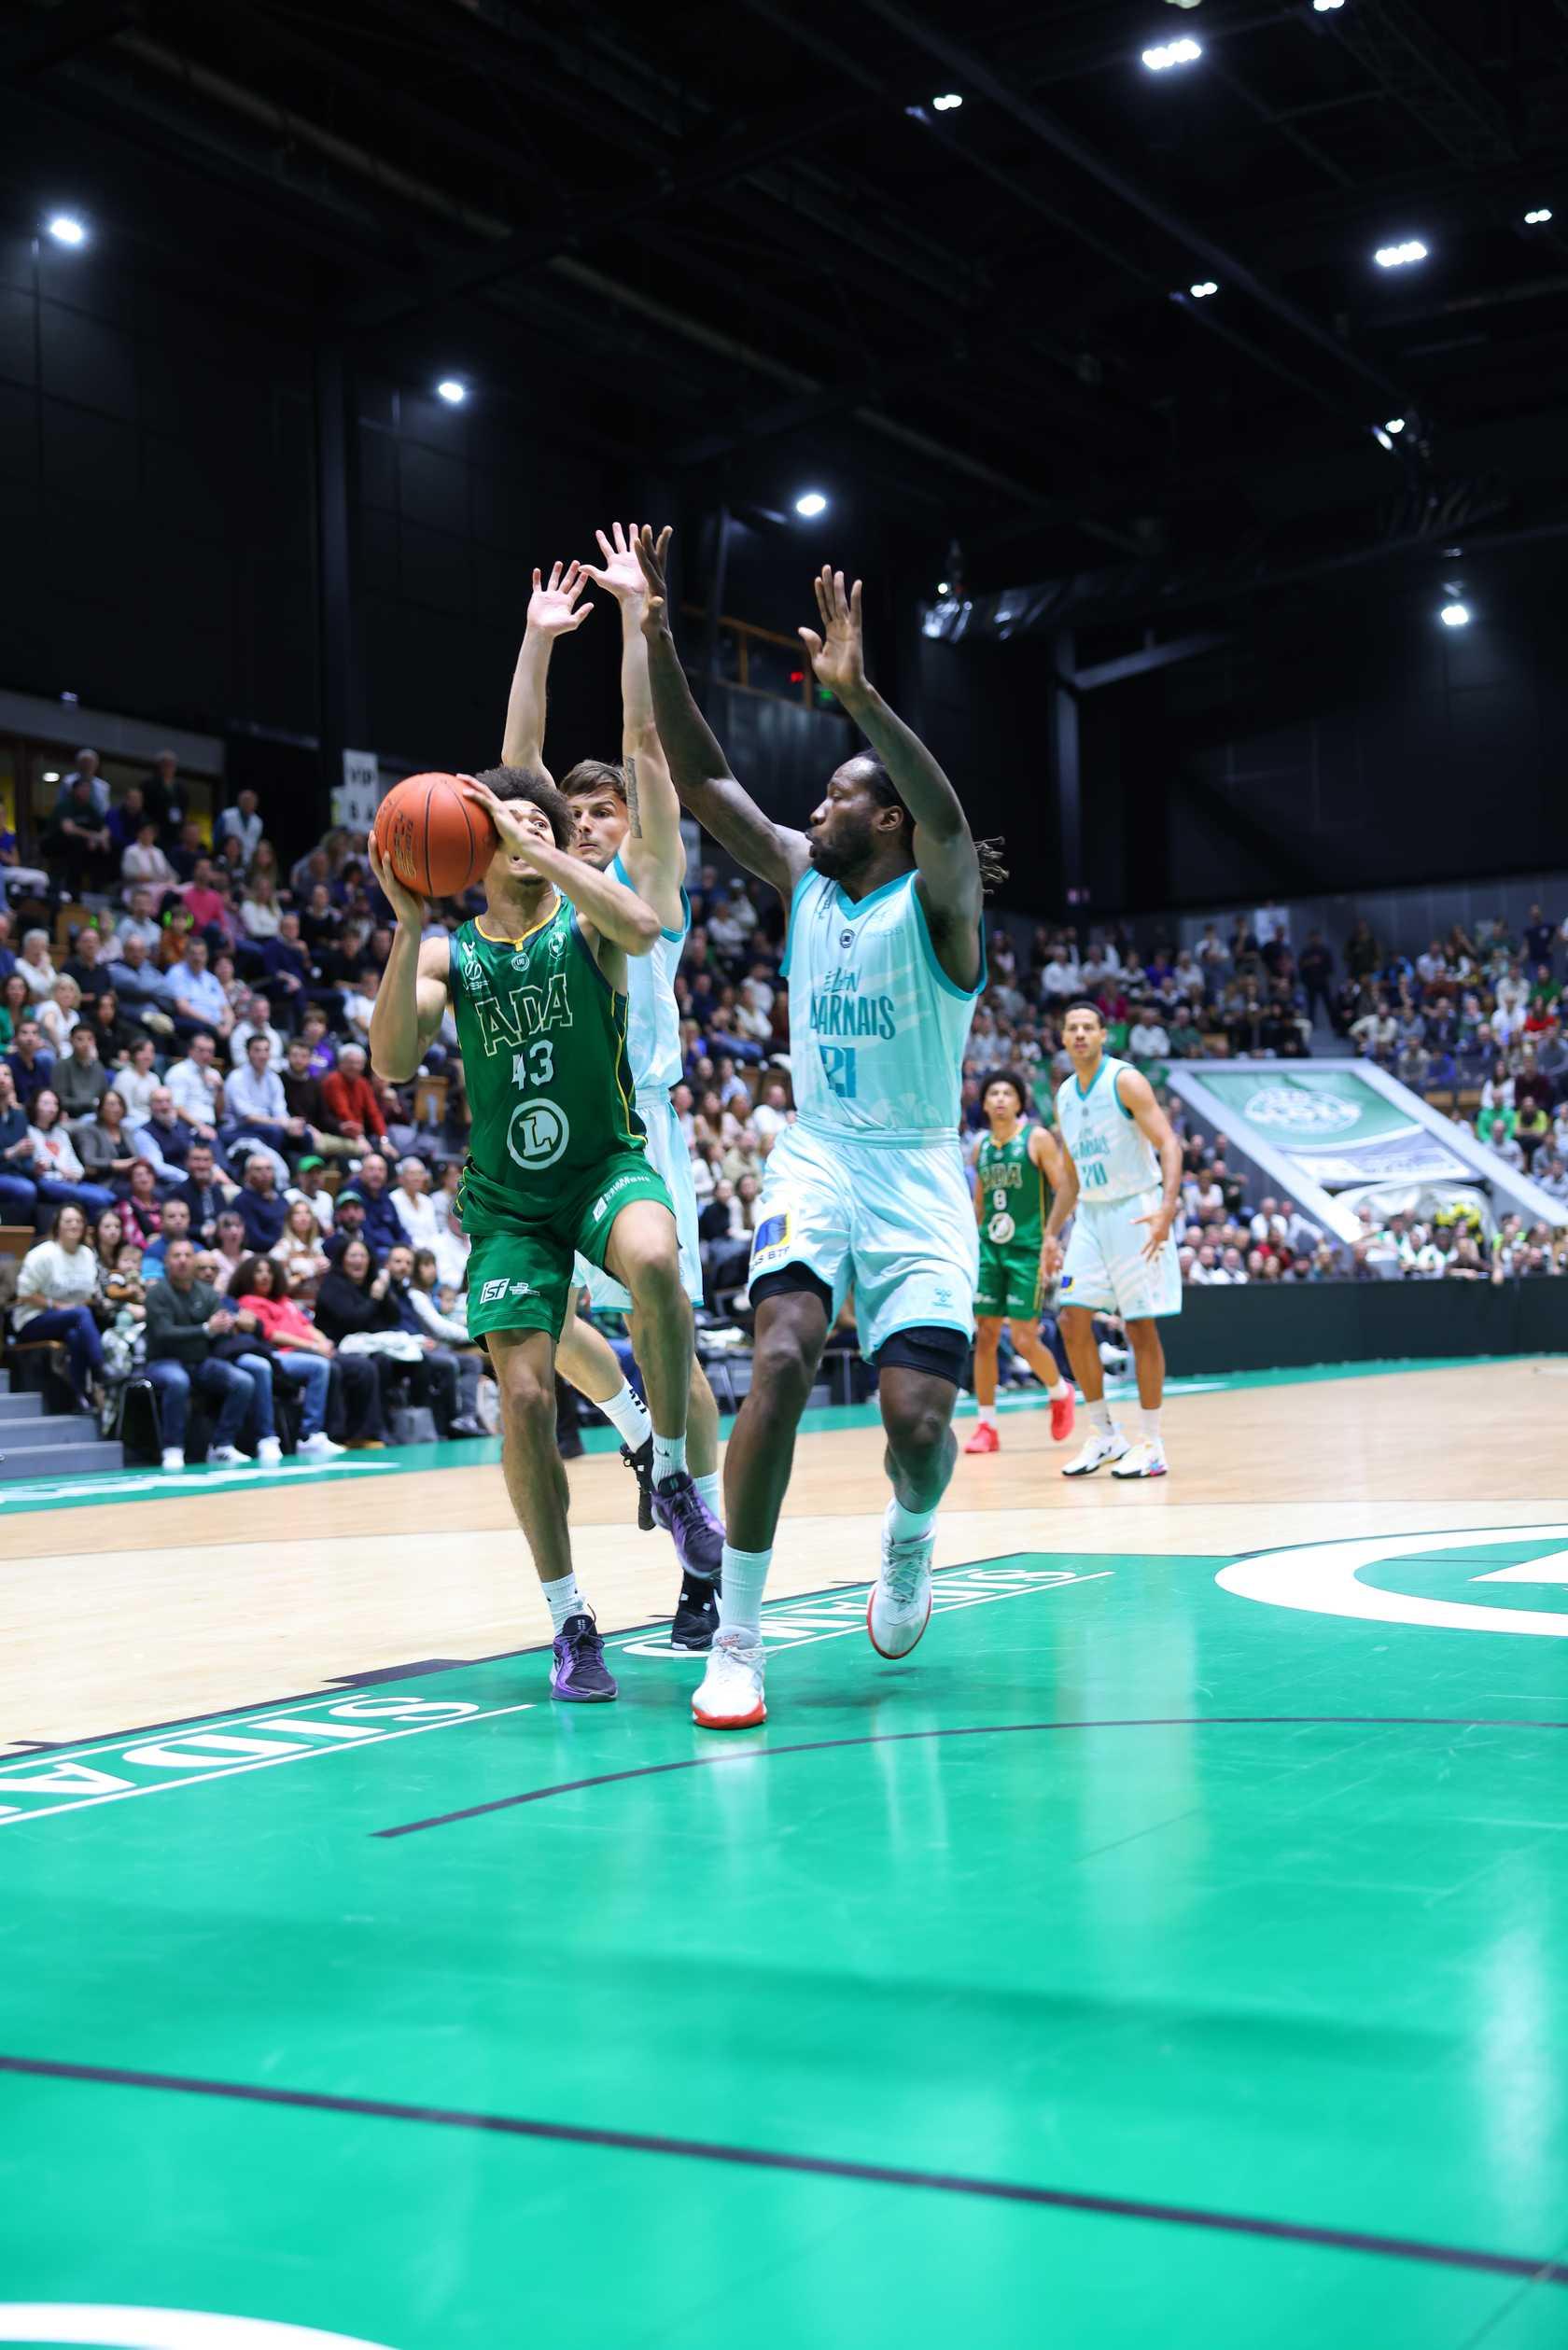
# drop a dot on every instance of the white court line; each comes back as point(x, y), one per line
point(849, 1597)
point(110, 2329)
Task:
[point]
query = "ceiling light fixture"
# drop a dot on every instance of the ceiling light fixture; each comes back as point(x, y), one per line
point(451, 391)
point(811, 503)
point(1538, 219)
point(947, 102)
point(1183, 52)
point(1395, 257)
point(66, 229)
point(1455, 616)
point(1201, 291)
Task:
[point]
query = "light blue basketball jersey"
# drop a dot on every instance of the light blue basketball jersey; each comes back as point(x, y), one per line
point(877, 1027)
point(653, 1017)
point(1112, 1154)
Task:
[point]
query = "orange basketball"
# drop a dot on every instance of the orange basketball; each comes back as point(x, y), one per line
point(437, 834)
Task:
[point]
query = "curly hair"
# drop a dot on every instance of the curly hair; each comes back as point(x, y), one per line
point(1007, 1077)
point(527, 783)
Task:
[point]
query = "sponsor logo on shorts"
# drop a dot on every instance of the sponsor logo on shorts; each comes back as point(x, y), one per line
point(770, 1237)
point(493, 1292)
point(537, 1134)
point(1066, 1284)
point(601, 1205)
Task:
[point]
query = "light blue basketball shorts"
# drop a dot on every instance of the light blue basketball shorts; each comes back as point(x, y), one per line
point(1105, 1268)
point(894, 1222)
point(667, 1153)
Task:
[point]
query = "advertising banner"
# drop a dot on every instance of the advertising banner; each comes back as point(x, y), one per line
point(1333, 1125)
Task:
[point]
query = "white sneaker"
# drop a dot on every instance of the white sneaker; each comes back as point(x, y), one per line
point(269, 1453)
point(173, 1456)
point(730, 1697)
point(1144, 1460)
point(230, 1457)
point(899, 1605)
point(1096, 1453)
point(317, 1448)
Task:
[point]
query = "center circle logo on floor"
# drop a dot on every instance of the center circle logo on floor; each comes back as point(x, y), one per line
point(1362, 1579)
point(1299, 1112)
point(93, 2327)
point(537, 1134)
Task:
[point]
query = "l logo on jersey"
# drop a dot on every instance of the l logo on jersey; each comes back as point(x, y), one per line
point(537, 1134)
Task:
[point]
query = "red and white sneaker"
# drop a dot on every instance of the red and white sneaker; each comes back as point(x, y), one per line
point(985, 1439)
point(1064, 1411)
point(730, 1696)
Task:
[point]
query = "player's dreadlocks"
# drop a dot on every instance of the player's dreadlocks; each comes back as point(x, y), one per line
point(885, 791)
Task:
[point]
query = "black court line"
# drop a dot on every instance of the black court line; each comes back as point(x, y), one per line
point(1539, 2272)
point(980, 1730)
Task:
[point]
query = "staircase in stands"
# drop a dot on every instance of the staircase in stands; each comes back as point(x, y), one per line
point(36, 1442)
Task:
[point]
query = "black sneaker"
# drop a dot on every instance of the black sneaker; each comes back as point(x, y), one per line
point(640, 1462)
point(577, 1670)
point(696, 1613)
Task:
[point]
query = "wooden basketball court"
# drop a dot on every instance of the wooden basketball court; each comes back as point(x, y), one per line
point(1172, 1944)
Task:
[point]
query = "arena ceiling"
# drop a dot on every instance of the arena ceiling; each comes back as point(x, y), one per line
point(754, 246)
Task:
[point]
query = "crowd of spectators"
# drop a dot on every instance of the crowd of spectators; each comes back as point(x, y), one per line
point(237, 1205)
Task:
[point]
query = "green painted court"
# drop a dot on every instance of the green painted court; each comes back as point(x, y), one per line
point(1144, 1961)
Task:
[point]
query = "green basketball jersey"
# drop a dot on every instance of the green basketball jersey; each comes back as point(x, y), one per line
point(1013, 1194)
point(545, 1065)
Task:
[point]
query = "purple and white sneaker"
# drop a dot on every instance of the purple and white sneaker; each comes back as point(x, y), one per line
point(699, 1538)
point(578, 1670)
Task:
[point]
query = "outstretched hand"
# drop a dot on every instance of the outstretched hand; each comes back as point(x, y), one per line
point(553, 609)
point(1159, 1225)
point(514, 834)
point(652, 558)
point(838, 655)
point(622, 574)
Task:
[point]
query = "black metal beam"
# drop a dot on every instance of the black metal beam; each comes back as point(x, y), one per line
point(1224, 264)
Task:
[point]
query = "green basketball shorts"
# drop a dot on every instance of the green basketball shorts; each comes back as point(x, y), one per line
point(520, 1269)
point(1010, 1286)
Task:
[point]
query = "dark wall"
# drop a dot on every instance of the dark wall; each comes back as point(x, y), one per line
point(1265, 1328)
point(156, 474)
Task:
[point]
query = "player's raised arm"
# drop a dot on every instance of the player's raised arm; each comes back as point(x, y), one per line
point(776, 853)
point(553, 611)
point(1137, 1097)
point(653, 853)
point(945, 851)
point(412, 997)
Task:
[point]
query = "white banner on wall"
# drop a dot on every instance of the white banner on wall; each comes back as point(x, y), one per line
point(355, 799)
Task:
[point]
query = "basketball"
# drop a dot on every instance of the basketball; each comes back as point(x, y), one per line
point(436, 834)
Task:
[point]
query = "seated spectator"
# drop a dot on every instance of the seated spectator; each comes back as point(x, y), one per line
point(1147, 1040)
point(303, 1354)
point(450, 1381)
point(188, 849)
point(309, 1187)
point(298, 1251)
point(229, 1248)
point(1532, 1129)
point(289, 977)
point(258, 1021)
point(59, 1013)
point(195, 1086)
point(259, 1204)
point(136, 1079)
point(174, 1224)
point(86, 963)
point(16, 1005)
point(53, 1164)
point(383, 1228)
point(205, 1192)
point(137, 921)
point(142, 988)
point(143, 864)
point(301, 1093)
point(253, 1101)
point(351, 1100)
point(80, 1079)
point(141, 1209)
point(164, 1140)
point(164, 793)
point(38, 973)
point(18, 1193)
point(56, 1284)
point(186, 1323)
point(355, 1303)
point(196, 993)
point(412, 1205)
point(103, 1142)
point(259, 910)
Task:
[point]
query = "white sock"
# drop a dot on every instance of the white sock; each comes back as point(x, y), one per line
point(627, 1414)
point(904, 1523)
point(1063, 1387)
point(743, 1579)
point(565, 1598)
point(988, 1416)
point(1151, 1427)
point(669, 1457)
point(711, 1489)
point(1099, 1417)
